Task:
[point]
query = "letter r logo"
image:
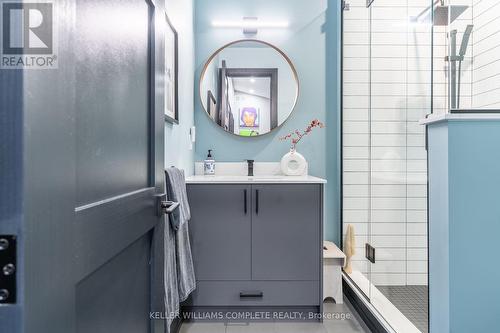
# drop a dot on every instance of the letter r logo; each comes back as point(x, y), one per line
point(27, 28)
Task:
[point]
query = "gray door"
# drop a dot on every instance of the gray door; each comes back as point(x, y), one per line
point(286, 232)
point(220, 228)
point(85, 164)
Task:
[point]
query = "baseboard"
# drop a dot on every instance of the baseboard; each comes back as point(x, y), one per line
point(366, 314)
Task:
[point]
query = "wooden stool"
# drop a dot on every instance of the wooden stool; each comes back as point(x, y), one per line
point(333, 261)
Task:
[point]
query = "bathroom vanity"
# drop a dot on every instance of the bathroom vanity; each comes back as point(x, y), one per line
point(256, 244)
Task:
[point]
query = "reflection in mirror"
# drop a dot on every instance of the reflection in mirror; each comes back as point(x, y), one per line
point(249, 88)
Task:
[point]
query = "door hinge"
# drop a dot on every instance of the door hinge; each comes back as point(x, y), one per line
point(8, 264)
point(370, 253)
point(346, 6)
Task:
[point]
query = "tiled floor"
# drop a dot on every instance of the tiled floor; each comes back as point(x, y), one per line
point(412, 301)
point(352, 324)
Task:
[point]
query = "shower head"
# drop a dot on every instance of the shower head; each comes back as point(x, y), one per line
point(444, 15)
point(465, 40)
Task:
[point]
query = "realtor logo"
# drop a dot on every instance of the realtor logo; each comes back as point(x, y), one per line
point(27, 35)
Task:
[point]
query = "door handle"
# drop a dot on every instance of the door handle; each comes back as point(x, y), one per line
point(256, 201)
point(245, 199)
point(164, 206)
point(169, 206)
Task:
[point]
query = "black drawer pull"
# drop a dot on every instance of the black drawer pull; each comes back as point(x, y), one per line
point(256, 201)
point(245, 199)
point(251, 294)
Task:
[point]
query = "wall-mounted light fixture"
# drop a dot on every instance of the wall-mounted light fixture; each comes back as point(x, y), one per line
point(250, 25)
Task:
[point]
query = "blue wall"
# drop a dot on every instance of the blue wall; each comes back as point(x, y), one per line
point(313, 44)
point(464, 222)
point(439, 276)
point(178, 151)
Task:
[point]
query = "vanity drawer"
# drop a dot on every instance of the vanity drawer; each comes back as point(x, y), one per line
point(253, 293)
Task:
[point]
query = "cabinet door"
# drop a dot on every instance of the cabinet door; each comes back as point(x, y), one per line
point(220, 230)
point(286, 232)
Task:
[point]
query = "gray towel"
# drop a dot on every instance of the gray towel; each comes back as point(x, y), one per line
point(186, 281)
point(165, 291)
point(173, 270)
point(176, 191)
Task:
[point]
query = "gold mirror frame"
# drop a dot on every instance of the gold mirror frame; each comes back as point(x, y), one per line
point(283, 54)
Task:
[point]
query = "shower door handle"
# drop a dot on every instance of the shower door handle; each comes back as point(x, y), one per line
point(370, 253)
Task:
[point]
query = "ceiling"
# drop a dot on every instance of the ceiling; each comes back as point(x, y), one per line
point(258, 86)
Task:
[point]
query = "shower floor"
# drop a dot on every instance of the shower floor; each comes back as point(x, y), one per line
point(412, 301)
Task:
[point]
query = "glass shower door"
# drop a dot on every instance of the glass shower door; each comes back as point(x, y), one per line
point(355, 138)
point(387, 89)
point(400, 87)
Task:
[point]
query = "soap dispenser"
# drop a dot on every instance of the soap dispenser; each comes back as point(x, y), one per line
point(209, 165)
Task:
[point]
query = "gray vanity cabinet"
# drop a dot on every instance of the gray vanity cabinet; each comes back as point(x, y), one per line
point(256, 244)
point(220, 230)
point(286, 232)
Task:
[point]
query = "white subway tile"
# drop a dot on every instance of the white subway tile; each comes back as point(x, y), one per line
point(388, 216)
point(356, 165)
point(355, 127)
point(416, 266)
point(356, 140)
point(356, 191)
point(414, 229)
point(417, 254)
point(388, 203)
point(388, 153)
point(356, 203)
point(389, 254)
point(417, 191)
point(356, 152)
point(417, 241)
point(416, 216)
point(388, 165)
point(388, 228)
point(417, 203)
point(415, 279)
point(385, 190)
point(354, 178)
point(397, 241)
point(355, 216)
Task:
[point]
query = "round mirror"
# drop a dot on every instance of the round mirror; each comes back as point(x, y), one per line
point(249, 87)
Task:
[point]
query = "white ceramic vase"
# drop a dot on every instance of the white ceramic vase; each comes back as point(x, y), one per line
point(293, 164)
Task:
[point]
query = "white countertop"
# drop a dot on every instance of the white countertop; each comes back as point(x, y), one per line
point(272, 179)
point(431, 119)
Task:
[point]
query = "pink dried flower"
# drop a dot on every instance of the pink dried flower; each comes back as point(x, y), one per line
point(296, 135)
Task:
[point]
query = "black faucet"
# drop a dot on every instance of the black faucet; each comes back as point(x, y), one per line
point(250, 167)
